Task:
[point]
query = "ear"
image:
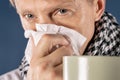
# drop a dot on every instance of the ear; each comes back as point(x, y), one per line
point(99, 8)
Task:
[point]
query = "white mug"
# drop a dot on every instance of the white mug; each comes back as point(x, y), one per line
point(91, 68)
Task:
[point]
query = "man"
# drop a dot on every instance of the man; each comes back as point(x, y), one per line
point(84, 16)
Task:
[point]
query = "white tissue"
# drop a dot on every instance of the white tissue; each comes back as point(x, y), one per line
point(76, 39)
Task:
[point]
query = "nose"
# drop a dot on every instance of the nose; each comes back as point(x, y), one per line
point(44, 19)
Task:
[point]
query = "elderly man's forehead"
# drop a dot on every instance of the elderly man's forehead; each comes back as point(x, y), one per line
point(13, 1)
point(47, 0)
point(43, 1)
point(42, 5)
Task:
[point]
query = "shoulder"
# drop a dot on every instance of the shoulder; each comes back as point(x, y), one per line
point(12, 75)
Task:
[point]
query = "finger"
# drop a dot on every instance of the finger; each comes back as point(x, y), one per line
point(59, 69)
point(56, 57)
point(47, 42)
point(52, 73)
point(55, 73)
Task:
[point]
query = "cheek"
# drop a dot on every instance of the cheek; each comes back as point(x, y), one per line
point(26, 25)
point(87, 26)
point(86, 21)
point(81, 22)
point(71, 21)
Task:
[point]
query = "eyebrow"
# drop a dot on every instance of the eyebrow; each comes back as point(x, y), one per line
point(61, 5)
point(24, 11)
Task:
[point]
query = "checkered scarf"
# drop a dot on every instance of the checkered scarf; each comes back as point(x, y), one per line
point(105, 42)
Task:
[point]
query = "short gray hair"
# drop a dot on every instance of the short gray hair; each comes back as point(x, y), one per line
point(13, 2)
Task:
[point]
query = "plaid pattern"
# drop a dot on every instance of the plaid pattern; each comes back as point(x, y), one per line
point(105, 42)
point(24, 68)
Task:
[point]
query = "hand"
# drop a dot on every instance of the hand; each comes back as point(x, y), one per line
point(46, 63)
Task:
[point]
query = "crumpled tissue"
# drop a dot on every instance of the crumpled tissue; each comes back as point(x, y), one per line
point(75, 38)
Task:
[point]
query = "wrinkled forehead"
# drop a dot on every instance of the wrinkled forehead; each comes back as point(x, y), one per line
point(13, 2)
point(43, 4)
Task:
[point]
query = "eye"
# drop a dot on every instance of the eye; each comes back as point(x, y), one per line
point(62, 11)
point(29, 16)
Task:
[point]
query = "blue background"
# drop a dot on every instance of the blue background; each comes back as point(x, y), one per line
point(12, 41)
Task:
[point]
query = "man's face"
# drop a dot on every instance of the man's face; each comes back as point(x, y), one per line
point(75, 14)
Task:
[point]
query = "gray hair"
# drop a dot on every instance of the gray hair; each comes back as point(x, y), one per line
point(13, 2)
